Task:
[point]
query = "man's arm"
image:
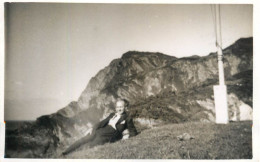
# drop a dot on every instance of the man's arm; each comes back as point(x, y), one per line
point(131, 127)
point(102, 123)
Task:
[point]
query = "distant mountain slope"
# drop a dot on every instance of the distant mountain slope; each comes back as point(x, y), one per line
point(161, 89)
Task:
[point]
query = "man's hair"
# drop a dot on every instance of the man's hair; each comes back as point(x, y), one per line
point(123, 100)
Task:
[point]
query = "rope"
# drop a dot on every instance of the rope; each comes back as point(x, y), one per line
point(213, 13)
point(220, 33)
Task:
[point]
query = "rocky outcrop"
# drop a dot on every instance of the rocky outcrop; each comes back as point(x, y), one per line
point(139, 75)
point(161, 89)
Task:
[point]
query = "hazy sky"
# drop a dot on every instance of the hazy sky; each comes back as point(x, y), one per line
point(52, 50)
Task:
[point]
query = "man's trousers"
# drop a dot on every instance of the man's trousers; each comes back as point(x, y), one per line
point(99, 137)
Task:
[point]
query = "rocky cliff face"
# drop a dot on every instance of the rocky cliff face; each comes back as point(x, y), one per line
point(160, 88)
point(138, 76)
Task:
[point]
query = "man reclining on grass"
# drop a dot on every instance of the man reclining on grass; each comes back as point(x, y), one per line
point(108, 130)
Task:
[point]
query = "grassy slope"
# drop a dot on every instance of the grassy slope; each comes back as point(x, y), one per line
point(211, 141)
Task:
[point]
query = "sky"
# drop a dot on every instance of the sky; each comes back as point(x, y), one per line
point(52, 50)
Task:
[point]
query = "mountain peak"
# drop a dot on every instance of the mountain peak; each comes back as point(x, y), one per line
point(138, 54)
point(242, 43)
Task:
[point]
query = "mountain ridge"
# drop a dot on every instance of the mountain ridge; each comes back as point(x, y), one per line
point(161, 89)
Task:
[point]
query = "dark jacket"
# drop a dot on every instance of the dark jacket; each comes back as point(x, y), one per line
point(125, 122)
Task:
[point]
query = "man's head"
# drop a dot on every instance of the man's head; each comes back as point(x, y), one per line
point(121, 105)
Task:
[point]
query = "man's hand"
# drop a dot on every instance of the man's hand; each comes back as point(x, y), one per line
point(125, 134)
point(90, 131)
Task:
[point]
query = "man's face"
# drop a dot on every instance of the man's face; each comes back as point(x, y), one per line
point(120, 107)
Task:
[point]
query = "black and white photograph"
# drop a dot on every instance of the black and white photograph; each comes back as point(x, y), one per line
point(128, 81)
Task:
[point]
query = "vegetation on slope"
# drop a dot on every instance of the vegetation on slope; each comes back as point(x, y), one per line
point(211, 141)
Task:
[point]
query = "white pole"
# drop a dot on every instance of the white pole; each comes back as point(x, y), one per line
point(219, 47)
point(220, 91)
